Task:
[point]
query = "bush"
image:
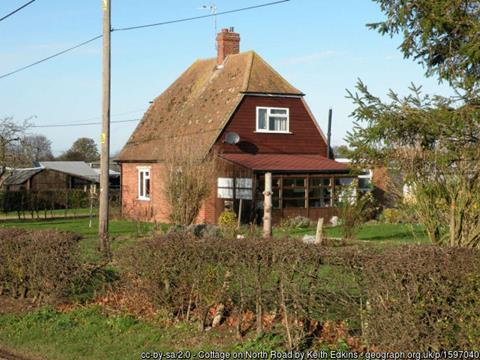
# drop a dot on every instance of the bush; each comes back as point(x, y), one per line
point(228, 220)
point(297, 222)
point(38, 264)
point(399, 298)
point(190, 278)
point(392, 216)
point(354, 209)
point(421, 298)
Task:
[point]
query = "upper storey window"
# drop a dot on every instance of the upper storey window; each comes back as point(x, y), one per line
point(275, 120)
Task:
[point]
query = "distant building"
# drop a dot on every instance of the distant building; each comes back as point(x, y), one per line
point(55, 175)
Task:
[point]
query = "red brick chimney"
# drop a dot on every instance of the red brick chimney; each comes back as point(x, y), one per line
point(228, 43)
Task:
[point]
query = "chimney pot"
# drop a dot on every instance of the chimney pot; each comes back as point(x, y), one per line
point(228, 43)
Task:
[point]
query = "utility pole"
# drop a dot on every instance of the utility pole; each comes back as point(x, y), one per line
point(329, 134)
point(105, 136)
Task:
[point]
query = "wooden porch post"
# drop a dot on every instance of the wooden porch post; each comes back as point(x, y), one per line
point(267, 207)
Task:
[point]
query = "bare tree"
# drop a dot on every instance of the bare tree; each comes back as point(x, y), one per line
point(188, 180)
point(36, 148)
point(11, 133)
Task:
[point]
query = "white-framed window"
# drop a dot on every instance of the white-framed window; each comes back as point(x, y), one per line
point(270, 119)
point(144, 183)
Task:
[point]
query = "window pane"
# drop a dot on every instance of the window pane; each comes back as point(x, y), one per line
point(289, 182)
point(141, 184)
point(319, 182)
point(277, 123)
point(289, 203)
point(262, 119)
point(343, 181)
point(319, 203)
point(147, 187)
point(278, 111)
point(319, 192)
point(294, 193)
point(276, 203)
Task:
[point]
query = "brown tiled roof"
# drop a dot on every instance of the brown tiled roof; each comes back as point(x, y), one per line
point(199, 104)
point(286, 162)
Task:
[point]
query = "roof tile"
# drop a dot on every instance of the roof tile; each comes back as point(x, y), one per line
point(199, 104)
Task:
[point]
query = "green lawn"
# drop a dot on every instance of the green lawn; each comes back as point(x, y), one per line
point(88, 333)
point(401, 233)
point(377, 233)
point(125, 232)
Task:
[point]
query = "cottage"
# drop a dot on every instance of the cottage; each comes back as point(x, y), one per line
point(237, 107)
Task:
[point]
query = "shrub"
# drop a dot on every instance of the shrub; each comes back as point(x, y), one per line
point(190, 278)
point(228, 220)
point(297, 222)
point(421, 298)
point(392, 216)
point(402, 298)
point(354, 209)
point(38, 264)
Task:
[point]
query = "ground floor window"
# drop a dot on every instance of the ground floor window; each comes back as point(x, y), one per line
point(305, 191)
point(144, 183)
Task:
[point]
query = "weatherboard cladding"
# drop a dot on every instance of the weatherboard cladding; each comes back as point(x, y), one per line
point(304, 136)
point(199, 103)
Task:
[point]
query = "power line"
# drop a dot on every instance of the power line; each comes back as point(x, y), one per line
point(113, 115)
point(199, 17)
point(81, 124)
point(17, 10)
point(51, 56)
point(140, 27)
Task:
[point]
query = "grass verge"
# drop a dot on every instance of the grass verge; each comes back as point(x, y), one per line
point(88, 333)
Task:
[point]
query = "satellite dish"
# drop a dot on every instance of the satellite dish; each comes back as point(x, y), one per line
point(231, 138)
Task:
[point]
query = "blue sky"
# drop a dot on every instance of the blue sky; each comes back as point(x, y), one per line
point(322, 47)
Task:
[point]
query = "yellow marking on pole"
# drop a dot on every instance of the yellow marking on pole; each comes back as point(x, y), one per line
point(105, 3)
point(103, 138)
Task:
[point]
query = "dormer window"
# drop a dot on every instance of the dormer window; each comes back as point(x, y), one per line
point(274, 120)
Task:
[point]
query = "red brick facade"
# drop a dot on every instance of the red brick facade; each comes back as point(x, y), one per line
point(157, 208)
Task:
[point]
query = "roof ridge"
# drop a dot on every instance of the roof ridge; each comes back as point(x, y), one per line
point(275, 72)
point(248, 73)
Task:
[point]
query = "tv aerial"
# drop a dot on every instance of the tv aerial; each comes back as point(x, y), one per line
point(212, 8)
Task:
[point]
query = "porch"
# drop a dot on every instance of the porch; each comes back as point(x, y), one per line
point(302, 185)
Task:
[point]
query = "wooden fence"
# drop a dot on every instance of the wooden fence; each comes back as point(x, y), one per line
point(52, 203)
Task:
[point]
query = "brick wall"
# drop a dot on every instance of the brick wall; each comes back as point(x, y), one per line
point(157, 208)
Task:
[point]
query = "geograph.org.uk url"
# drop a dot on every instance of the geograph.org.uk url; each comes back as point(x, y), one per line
point(300, 355)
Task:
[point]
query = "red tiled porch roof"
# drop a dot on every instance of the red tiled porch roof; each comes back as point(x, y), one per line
point(286, 162)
